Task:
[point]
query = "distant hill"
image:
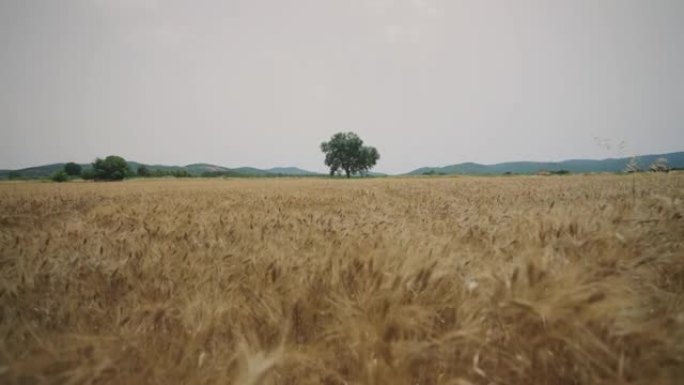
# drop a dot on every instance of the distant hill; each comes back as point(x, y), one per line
point(199, 168)
point(675, 160)
point(195, 169)
point(377, 174)
point(251, 171)
point(34, 172)
point(290, 171)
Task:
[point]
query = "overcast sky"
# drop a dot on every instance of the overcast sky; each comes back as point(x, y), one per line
point(262, 83)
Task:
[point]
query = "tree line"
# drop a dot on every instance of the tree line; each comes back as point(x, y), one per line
point(345, 154)
point(111, 168)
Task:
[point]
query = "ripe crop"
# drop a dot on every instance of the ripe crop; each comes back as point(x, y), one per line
point(501, 280)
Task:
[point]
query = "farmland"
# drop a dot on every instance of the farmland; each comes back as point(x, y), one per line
point(459, 280)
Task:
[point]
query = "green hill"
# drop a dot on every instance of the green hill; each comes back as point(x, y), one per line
point(675, 160)
point(290, 171)
point(195, 169)
point(34, 172)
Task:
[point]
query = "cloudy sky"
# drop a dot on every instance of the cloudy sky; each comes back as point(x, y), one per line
point(263, 82)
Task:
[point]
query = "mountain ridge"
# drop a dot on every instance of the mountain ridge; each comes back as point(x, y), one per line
point(193, 169)
point(675, 160)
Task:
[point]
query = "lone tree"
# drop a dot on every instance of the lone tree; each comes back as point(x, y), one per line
point(110, 168)
point(345, 151)
point(72, 169)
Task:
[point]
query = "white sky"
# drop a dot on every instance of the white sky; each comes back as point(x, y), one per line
point(262, 83)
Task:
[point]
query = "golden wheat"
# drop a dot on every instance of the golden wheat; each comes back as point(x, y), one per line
point(505, 280)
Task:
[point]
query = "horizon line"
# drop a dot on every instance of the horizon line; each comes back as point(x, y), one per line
point(380, 172)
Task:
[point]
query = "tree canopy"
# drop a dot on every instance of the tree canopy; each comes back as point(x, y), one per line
point(60, 176)
point(111, 168)
point(72, 169)
point(144, 171)
point(345, 151)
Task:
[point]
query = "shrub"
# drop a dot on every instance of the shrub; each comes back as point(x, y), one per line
point(60, 176)
point(88, 174)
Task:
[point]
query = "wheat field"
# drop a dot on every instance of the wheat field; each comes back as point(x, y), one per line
point(459, 280)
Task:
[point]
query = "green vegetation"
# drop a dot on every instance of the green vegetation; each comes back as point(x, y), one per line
point(345, 151)
point(143, 171)
point(60, 176)
point(88, 174)
point(433, 172)
point(73, 169)
point(181, 174)
point(655, 163)
point(218, 174)
point(576, 166)
point(111, 168)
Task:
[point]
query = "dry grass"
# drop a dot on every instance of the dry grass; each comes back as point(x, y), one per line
point(521, 280)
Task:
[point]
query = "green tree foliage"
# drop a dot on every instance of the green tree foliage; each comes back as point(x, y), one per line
point(88, 174)
point(180, 173)
point(345, 151)
point(72, 169)
point(144, 171)
point(111, 168)
point(160, 173)
point(60, 176)
point(433, 172)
